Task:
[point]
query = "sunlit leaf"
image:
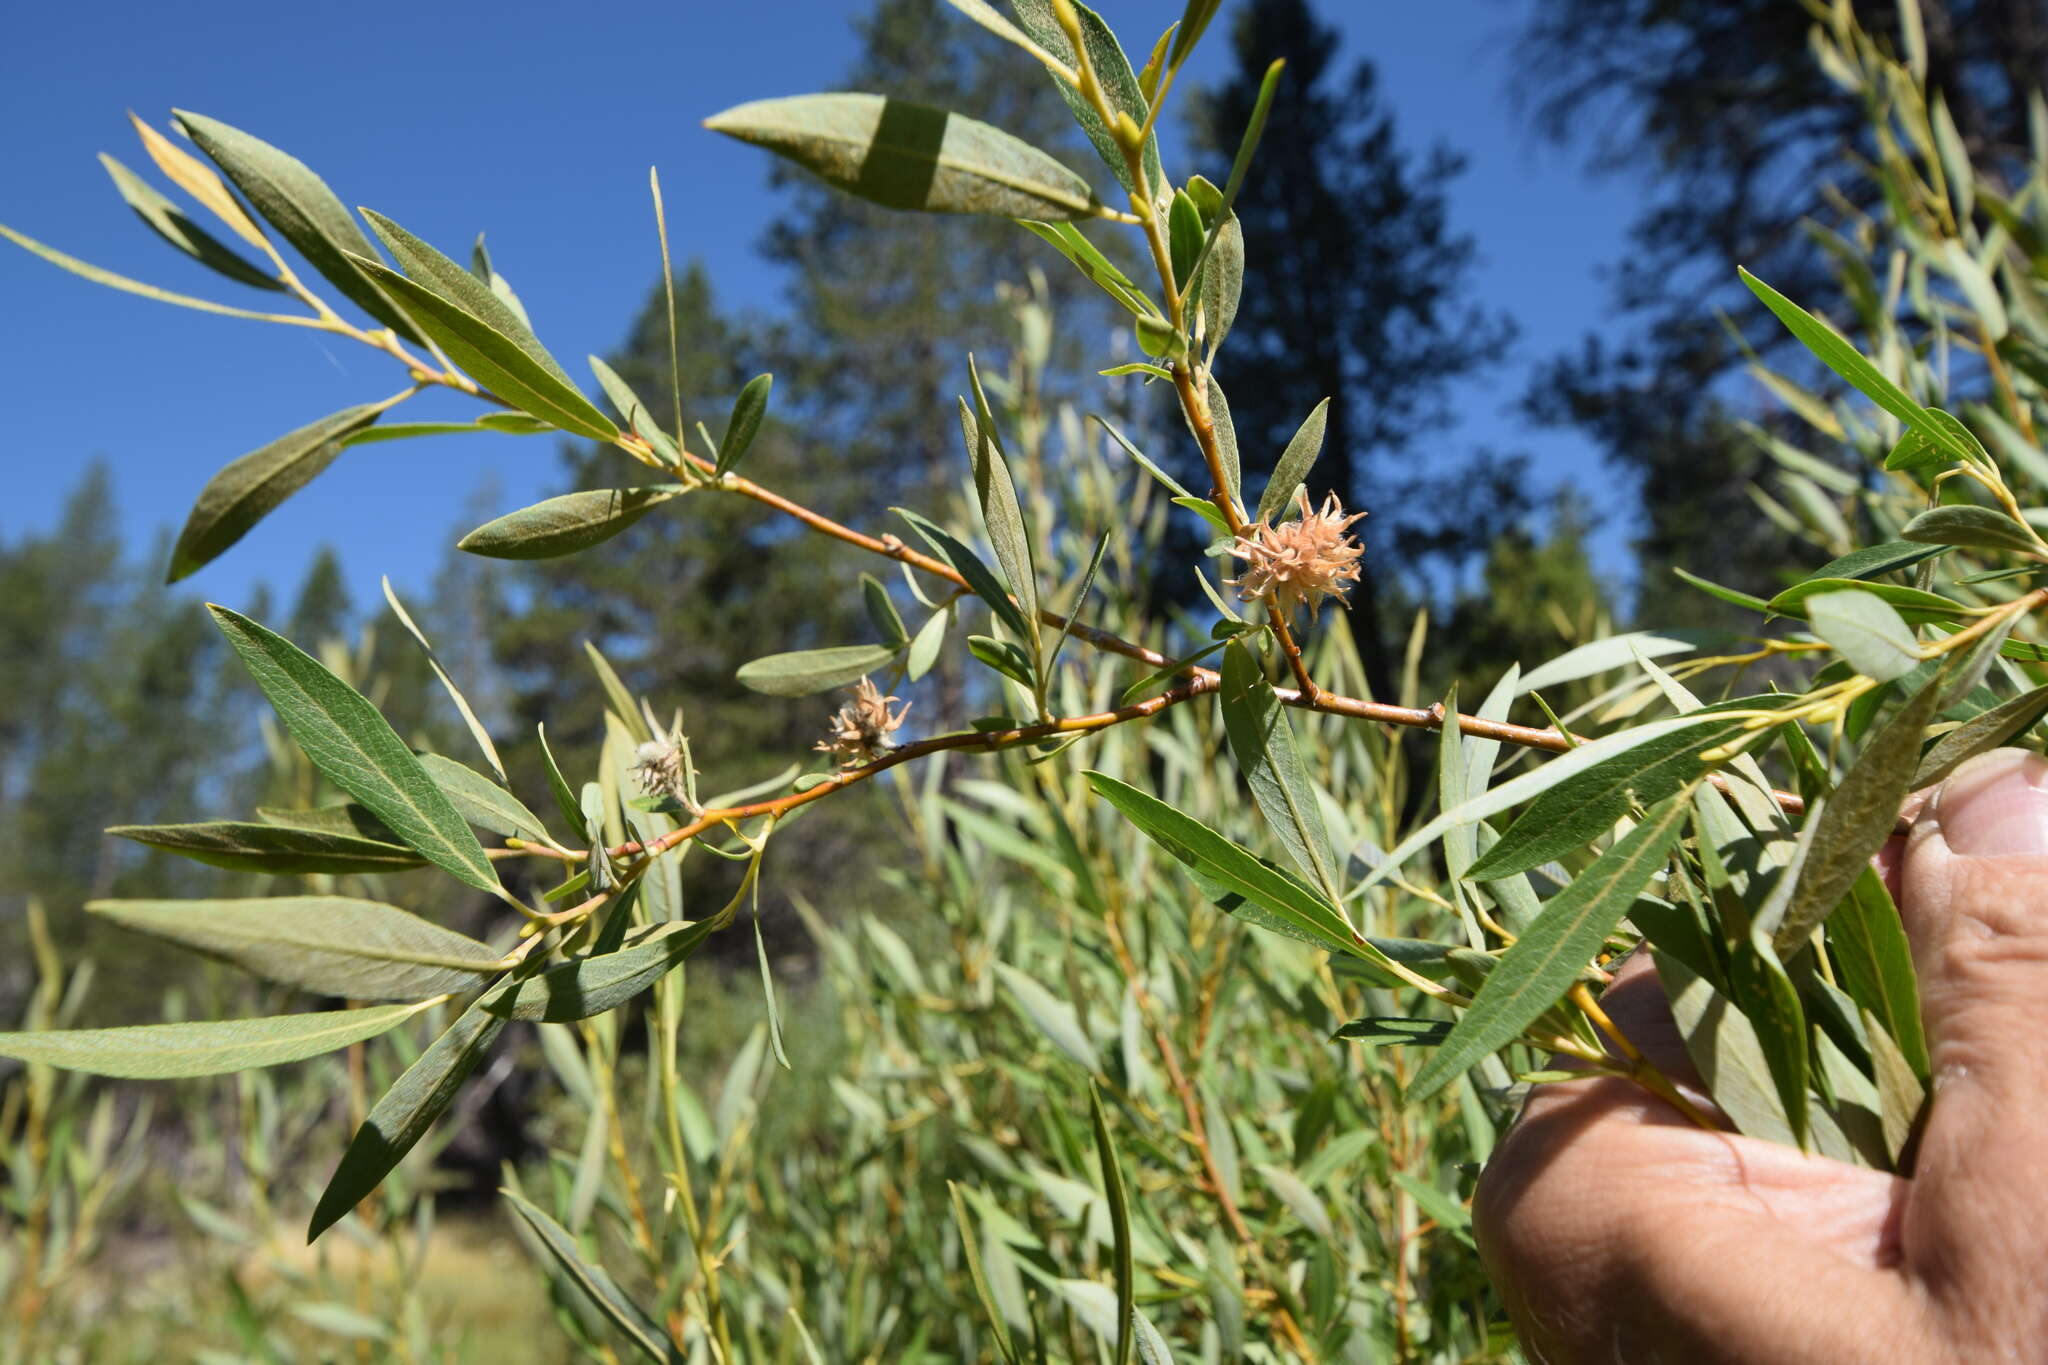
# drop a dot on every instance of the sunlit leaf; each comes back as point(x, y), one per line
point(566, 524)
point(333, 945)
point(357, 749)
point(252, 487)
point(910, 156)
point(155, 1052)
point(1541, 965)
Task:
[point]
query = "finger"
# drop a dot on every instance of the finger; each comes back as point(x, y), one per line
point(1619, 1232)
point(1975, 904)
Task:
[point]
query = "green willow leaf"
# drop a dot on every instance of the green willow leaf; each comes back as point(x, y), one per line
point(334, 945)
point(279, 850)
point(1055, 1018)
point(1980, 734)
point(882, 613)
point(566, 524)
point(299, 205)
point(1295, 463)
point(406, 431)
point(995, 491)
point(1262, 741)
point(747, 411)
point(1226, 441)
point(170, 222)
point(1067, 239)
point(1112, 71)
point(800, 673)
point(1120, 1227)
point(1976, 528)
point(1220, 280)
point(483, 802)
point(593, 985)
point(252, 487)
point(477, 731)
point(970, 1250)
point(87, 270)
point(1541, 965)
point(1723, 1044)
point(1616, 651)
point(1838, 355)
point(1868, 946)
point(495, 360)
point(641, 421)
point(910, 156)
point(558, 786)
point(633, 1322)
point(358, 750)
point(1253, 890)
point(1911, 604)
point(1856, 820)
point(435, 272)
point(1184, 234)
point(402, 1115)
point(1872, 560)
point(1640, 766)
point(158, 1052)
point(1866, 631)
point(981, 580)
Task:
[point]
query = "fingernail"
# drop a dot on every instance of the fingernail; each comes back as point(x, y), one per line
point(1996, 805)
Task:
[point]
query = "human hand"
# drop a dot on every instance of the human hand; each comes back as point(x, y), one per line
point(1620, 1232)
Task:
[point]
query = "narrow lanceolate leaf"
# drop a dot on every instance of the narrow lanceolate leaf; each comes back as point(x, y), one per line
point(495, 360)
point(252, 487)
point(1066, 239)
point(298, 204)
point(434, 271)
point(1540, 966)
point(98, 275)
point(910, 156)
point(642, 422)
point(1981, 733)
point(1112, 71)
point(1873, 560)
point(159, 1052)
point(280, 850)
point(595, 1285)
point(1248, 888)
point(593, 985)
point(1865, 630)
point(1871, 955)
point(1844, 359)
point(1119, 1224)
point(335, 945)
point(358, 750)
point(970, 1249)
point(1220, 280)
point(476, 727)
point(1262, 741)
point(1978, 528)
point(1055, 1018)
point(402, 1115)
point(741, 427)
point(564, 525)
point(1723, 1044)
point(1631, 767)
point(483, 802)
point(1856, 820)
point(803, 672)
point(996, 493)
point(169, 222)
point(1911, 604)
point(980, 579)
point(1295, 463)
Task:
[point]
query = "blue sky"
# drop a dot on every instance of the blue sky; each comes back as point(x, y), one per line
point(537, 124)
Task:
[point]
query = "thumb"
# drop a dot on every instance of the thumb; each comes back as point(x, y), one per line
point(1975, 904)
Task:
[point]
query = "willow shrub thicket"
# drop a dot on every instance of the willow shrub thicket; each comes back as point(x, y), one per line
point(1209, 998)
